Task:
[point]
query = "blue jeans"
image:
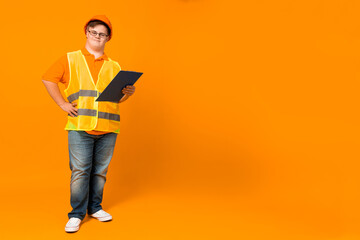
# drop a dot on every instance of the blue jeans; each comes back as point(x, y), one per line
point(90, 156)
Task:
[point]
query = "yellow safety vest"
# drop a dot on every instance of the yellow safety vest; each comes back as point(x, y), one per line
point(92, 115)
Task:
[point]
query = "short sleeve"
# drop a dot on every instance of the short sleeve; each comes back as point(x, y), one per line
point(56, 71)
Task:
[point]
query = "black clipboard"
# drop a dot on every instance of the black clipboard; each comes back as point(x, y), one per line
point(113, 92)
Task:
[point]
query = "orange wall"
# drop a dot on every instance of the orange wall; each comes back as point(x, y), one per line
point(248, 100)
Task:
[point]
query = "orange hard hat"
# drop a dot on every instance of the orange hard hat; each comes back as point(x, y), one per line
point(102, 18)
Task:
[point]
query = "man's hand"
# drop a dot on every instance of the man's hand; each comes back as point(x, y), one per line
point(128, 90)
point(69, 108)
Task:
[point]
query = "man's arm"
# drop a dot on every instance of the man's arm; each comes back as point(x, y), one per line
point(54, 92)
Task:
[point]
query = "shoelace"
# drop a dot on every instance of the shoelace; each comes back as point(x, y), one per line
point(101, 213)
point(73, 220)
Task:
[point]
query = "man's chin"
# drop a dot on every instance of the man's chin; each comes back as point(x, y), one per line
point(96, 45)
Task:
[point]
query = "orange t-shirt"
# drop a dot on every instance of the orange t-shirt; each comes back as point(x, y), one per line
point(60, 72)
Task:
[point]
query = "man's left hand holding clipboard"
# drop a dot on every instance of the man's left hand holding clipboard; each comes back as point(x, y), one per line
point(128, 91)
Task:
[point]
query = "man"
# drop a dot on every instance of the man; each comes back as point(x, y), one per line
point(92, 126)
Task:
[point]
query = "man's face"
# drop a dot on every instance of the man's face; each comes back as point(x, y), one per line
point(97, 41)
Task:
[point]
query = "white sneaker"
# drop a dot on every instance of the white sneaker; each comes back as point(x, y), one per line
point(73, 225)
point(102, 216)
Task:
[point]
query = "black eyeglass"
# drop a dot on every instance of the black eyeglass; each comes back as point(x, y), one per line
point(94, 33)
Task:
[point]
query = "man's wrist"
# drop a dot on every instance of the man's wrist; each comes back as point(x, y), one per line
point(124, 98)
point(60, 104)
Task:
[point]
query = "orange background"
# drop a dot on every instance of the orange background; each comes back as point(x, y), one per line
point(245, 123)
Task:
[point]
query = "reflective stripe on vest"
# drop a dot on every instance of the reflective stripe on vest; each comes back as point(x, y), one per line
point(83, 93)
point(91, 115)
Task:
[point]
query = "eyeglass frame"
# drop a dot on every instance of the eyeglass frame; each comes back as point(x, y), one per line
point(97, 33)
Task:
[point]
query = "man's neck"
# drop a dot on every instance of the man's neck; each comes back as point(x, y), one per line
point(96, 52)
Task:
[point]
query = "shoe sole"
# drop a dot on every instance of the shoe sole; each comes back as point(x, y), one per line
point(103, 219)
point(72, 229)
